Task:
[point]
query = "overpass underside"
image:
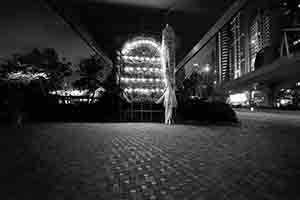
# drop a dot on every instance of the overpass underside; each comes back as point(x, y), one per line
point(281, 73)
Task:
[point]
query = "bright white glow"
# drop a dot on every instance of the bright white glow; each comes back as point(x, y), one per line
point(143, 90)
point(195, 64)
point(207, 69)
point(285, 101)
point(139, 42)
point(238, 98)
point(126, 79)
point(296, 42)
point(129, 69)
point(298, 84)
point(73, 92)
point(29, 76)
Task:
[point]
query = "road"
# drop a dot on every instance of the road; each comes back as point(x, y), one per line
point(258, 159)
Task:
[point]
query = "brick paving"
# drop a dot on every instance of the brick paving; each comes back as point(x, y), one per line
point(132, 161)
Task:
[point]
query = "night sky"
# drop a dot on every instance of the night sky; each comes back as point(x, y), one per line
point(27, 24)
point(30, 23)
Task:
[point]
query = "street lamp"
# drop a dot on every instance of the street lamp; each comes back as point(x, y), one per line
point(207, 69)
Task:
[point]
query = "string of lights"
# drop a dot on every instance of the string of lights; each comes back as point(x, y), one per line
point(141, 70)
point(151, 80)
point(145, 69)
point(140, 58)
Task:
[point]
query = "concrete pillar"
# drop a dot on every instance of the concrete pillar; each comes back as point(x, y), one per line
point(269, 94)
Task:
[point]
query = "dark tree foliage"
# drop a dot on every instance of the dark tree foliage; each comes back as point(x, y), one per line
point(91, 71)
point(24, 96)
point(45, 60)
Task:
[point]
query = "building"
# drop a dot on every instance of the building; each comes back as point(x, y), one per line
point(256, 44)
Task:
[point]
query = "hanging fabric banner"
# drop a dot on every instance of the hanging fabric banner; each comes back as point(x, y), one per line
point(168, 53)
point(168, 64)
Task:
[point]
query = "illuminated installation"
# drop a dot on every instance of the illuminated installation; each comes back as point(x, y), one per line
point(21, 76)
point(140, 70)
point(239, 99)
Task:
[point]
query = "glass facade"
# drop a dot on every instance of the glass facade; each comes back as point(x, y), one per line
point(260, 35)
point(253, 32)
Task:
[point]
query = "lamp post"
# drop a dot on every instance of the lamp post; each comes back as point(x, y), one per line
point(206, 71)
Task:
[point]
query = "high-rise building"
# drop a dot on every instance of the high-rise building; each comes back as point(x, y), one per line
point(223, 52)
point(260, 35)
point(235, 46)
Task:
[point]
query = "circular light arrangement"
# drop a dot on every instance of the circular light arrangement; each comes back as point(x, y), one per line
point(142, 77)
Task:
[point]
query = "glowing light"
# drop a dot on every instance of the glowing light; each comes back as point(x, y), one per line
point(139, 42)
point(143, 90)
point(72, 92)
point(207, 69)
point(296, 42)
point(285, 101)
point(29, 76)
point(238, 98)
point(298, 84)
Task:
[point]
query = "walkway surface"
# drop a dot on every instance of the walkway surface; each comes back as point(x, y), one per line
point(257, 160)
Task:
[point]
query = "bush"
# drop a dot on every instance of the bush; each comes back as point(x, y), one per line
point(202, 111)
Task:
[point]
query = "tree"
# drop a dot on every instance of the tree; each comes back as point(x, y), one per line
point(91, 71)
point(40, 61)
point(38, 70)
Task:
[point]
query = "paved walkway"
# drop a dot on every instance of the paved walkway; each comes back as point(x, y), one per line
point(152, 161)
